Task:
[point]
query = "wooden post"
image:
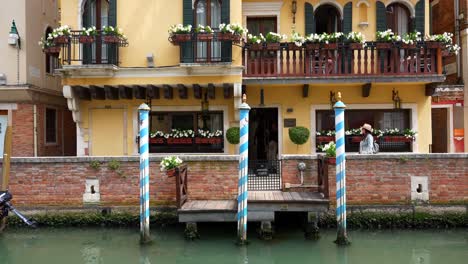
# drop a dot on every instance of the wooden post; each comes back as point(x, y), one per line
point(5, 168)
point(439, 61)
point(144, 174)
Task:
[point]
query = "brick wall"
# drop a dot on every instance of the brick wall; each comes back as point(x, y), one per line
point(61, 181)
point(23, 131)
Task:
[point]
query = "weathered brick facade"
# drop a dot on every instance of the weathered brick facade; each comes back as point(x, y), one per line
point(371, 179)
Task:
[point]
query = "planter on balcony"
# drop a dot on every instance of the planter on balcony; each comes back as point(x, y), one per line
point(158, 141)
point(408, 46)
point(355, 46)
point(312, 46)
point(209, 141)
point(325, 139)
point(180, 141)
point(86, 39)
point(396, 139)
point(330, 46)
point(52, 51)
point(434, 45)
point(292, 46)
point(273, 46)
point(180, 38)
point(384, 45)
point(61, 40)
point(256, 46)
point(204, 36)
point(236, 38)
point(225, 36)
point(355, 139)
point(111, 39)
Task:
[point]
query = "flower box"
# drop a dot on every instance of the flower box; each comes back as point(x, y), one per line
point(111, 39)
point(273, 46)
point(331, 160)
point(205, 36)
point(210, 141)
point(355, 46)
point(256, 46)
point(325, 139)
point(86, 39)
point(61, 40)
point(225, 36)
point(171, 173)
point(236, 38)
point(53, 51)
point(355, 139)
point(292, 46)
point(180, 141)
point(312, 46)
point(330, 46)
point(408, 46)
point(384, 45)
point(156, 141)
point(396, 139)
point(434, 44)
point(178, 38)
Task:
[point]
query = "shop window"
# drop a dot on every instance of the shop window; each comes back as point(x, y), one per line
point(51, 126)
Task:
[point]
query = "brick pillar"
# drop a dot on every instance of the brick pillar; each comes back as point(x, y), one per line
point(464, 62)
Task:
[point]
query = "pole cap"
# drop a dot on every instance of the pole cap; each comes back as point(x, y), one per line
point(144, 107)
point(338, 103)
point(244, 105)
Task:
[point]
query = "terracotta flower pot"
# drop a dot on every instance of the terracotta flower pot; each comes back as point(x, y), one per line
point(225, 36)
point(408, 46)
point(156, 140)
point(434, 44)
point(330, 46)
point(86, 39)
point(325, 139)
point(273, 46)
point(53, 51)
point(384, 45)
point(256, 46)
point(205, 36)
point(331, 160)
point(111, 39)
point(236, 38)
point(61, 40)
point(312, 46)
point(180, 141)
point(292, 46)
point(171, 173)
point(355, 46)
point(209, 141)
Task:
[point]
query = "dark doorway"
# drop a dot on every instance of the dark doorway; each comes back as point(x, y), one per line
point(264, 166)
point(439, 130)
point(327, 19)
point(398, 19)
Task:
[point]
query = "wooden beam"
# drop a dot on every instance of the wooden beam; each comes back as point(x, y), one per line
point(125, 92)
point(152, 92)
point(97, 92)
point(366, 89)
point(431, 88)
point(211, 91)
point(228, 90)
point(139, 91)
point(183, 93)
point(305, 91)
point(82, 92)
point(168, 93)
point(111, 92)
point(197, 91)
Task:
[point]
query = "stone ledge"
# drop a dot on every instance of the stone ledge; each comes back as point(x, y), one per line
point(402, 155)
point(184, 157)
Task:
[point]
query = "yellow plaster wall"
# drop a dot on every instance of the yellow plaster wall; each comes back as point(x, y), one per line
point(291, 97)
point(187, 80)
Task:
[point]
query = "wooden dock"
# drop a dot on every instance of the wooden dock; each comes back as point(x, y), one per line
point(262, 206)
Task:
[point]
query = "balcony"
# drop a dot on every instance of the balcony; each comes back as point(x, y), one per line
point(342, 62)
point(204, 48)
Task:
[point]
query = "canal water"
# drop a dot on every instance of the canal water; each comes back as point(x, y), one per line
point(115, 246)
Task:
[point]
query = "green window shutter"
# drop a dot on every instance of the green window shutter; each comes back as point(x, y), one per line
point(87, 49)
point(381, 16)
point(348, 18)
point(187, 47)
point(226, 46)
point(309, 19)
point(112, 49)
point(420, 19)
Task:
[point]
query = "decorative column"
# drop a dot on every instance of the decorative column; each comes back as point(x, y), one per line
point(341, 238)
point(144, 174)
point(243, 172)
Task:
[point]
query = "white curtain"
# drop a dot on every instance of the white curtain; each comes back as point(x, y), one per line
point(202, 14)
point(201, 20)
point(215, 21)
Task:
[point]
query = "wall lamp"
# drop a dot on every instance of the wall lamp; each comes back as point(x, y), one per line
point(294, 10)
point(396, 99)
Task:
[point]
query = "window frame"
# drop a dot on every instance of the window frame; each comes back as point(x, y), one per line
point(46, 142)
point(208, 22)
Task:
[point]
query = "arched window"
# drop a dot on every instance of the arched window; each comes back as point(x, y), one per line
point(208, 12)
point(95, 13)
point(49, 60)
point(327, 19)
point(398, 18)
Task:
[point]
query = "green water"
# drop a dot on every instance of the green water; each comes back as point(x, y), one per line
point(102, 245)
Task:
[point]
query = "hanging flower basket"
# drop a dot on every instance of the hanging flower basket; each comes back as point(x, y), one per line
point(209, 141)
point(355, 46)
point(61, 40)
point(111, 39)
point(205, 36)
point(325, 139)
point(179, 141)
point(86, 39)
point(434, 44)
point(396, 139)
point(171, 173)
point(384, 45)
point(312, 46)
point(330, 46)
point(156, 141)
point(225, 36)
point(53, 51)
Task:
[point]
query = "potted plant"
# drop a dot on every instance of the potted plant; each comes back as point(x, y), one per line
point(231, 32)
point(325, 136)
point(409, 40)
point(49, 47)
point(169, 165)
point(180, 137)
point(385, 38)
point(204, 33)
point(180, 33)
point(255, 42)
point(273, 40)
point(330, 152)
point(330, 40)
point(397, 135)
point(208, 137)
point(233, 135)
point(61, 35)
point(112, 34)
point(296, 41)
point(313, 41)
point(157, 137)
point(356, 40)
point(299, 135)
point(442, 41)
point(87, 35)
point(354, 135)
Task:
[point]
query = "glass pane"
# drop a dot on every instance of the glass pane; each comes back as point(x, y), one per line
point(51, 125)
point(202, 48)
point(253, 25)
point(215, 21)
point(182, 121)
point(210, 121)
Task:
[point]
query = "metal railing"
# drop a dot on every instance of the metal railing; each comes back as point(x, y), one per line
point(264, 175)
point(205, 48)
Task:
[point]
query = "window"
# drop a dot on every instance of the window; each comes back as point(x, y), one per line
point(50, 61)
point(327, 19)
point(257, 25)
point(398, 19)
point(96, 13)
point(208, 12)
point(167, 121)
point(51, 125)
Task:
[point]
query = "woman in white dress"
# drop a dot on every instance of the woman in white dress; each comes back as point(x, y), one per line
point(366, 146)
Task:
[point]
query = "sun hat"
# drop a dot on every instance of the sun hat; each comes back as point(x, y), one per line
point(367, 127)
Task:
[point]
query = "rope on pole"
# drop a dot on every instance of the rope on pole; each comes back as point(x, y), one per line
point(243, 172)
point(144, 174)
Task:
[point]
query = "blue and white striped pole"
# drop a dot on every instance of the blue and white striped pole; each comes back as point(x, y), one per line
point(243, 171)
point(339, 107)
point(144, 174)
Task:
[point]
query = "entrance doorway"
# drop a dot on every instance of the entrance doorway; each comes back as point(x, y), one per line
point(264, 165)
point(439, 130)
point(327, 19)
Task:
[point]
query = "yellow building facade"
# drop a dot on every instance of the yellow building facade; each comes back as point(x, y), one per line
point(198, 85)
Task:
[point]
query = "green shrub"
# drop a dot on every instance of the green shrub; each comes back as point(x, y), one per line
point(299, 135)
point(96, 165)
point(233, 135)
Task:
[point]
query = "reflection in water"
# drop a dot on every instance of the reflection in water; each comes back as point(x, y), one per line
point(115, 246)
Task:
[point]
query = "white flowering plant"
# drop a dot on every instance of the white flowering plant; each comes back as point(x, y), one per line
point(61, 31)
point(386, 36)
point(170, 162)
point(315, 38)
point(297, 39)
point(355, 37)
point(113, 31)
point(233, 28)
point(411, 38)
point(175, 133)
point(407, 132)
point(328, 133)
point(253, 39)
point(273, 37)
point(91, 31)
point(209, 134)
point(203, 29)
point(329, 149)
point(333, 37)
point(179, 29)
point(353, 132)
point(46, 43)
point(446, 39)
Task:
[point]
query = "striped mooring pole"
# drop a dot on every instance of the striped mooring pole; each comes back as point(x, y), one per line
point(144, 174)
point(244, 109)
point(341, 238)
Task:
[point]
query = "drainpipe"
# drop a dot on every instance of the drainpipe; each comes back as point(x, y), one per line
point(35, 129)
point(457, 34)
